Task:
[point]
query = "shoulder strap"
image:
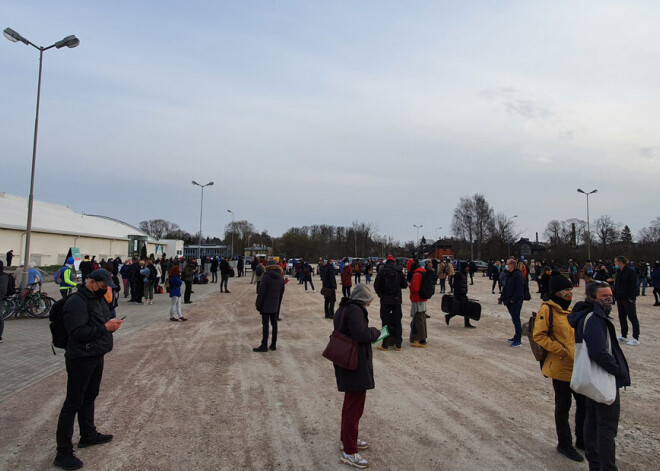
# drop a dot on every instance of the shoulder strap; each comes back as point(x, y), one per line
point(551, 319)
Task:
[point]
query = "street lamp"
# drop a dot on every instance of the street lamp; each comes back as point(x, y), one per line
point(201, 207)
point(436, 240)
point(580, 190)
point(509, 241)
point(70, 42)
point(417, 240)
point(232, 232)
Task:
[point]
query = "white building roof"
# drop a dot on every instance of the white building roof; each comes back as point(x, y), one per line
point(58, 219)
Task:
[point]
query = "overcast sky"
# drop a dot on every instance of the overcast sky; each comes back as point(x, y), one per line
point(327, 112)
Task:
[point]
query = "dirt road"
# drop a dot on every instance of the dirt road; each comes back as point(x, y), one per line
point(193, 396)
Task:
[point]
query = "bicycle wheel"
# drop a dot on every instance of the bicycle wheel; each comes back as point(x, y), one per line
point(38, 306)
point(8, 307)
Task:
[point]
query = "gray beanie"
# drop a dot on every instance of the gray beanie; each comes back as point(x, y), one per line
point(361, 293)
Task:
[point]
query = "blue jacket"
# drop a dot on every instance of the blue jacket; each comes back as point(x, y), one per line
point(513, 290)
point(175, 286)
point(595, 337)
point(655, 276)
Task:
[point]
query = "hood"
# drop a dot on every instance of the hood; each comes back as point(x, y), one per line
point(274, 271)
point(581, 309)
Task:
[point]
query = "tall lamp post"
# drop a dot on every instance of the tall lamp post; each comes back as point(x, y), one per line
point(417, 240)
point(436, 238)
point(509, 242)
point(580, 190)
point(70, 42)
point(232, 232)
point(201, 208)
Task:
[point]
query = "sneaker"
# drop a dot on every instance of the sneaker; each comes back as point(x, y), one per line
point(633, 342)
point(398, 349)
point(382, 349)
point(512, 339)
point(68, 461)
point(98, 440)
point(570, 453)
point(418, 345)
point(183, 319)
point(621, 338)
point(354, 460)
point(361, 444)
point(174, 319)
point(515, 344)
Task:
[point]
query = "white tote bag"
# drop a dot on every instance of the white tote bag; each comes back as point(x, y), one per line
point(589, 378)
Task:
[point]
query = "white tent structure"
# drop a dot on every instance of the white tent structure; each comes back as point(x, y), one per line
point(56, 228)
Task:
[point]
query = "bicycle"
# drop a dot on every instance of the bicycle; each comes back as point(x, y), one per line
point(35, 304)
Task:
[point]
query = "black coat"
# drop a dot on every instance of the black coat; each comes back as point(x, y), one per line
point(356, 325)
point(271, 290)
point(214, 265)
point(224, 267)
point(328, 279)
point(625, 284)
point(460, 285)
point(390, 269)
point(84, 317)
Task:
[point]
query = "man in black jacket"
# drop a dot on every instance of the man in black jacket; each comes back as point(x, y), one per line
point(85, 268)
point(328, 282)
point(269, 298)
point(625, 293)
point(601, 420)
point(459, 305)
point(389, 282)
point(214, 271)
point(224, 275)
point(87, 322)
point(512, 297)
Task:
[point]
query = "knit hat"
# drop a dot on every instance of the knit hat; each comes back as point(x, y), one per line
point(69, 261)
point(559, 282)
point(389, 257)
point(361, 293)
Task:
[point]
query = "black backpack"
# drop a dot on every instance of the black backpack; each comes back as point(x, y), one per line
point(391, 283)
point(11, 284)
point(427, 287)
point(59, 336)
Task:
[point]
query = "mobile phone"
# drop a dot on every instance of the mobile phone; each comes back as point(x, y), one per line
point(123, 318)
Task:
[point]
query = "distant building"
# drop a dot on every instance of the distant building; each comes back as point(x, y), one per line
point(258, 250)
point(527, 248)
point(57, 228)
point(207, 251)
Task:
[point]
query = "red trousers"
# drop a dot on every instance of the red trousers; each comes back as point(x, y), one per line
point(351, 413)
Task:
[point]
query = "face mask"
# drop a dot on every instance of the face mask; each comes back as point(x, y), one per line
point(605, 304)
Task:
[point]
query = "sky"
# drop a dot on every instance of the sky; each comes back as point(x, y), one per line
point(303, 113)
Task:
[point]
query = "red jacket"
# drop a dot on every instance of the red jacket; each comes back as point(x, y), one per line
point(415, 284)
point(347, 275)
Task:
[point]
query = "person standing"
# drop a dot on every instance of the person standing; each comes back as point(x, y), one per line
point(124, 271)
point(253, 267)
point(625, 293)
point(85, 268)
point(87, 322)
point(352, 319)
point(601, 420)
point(442, 275)
point(418, 308)
point(9, 256)
point(472, 269)
point(459, 304)
point(239, 266)
point(558, 364)
point(68, 276)
point(642, 277)
point(368, 272)
point(512, 297)
point(495, 270)
point(357, 272)
point(451, 273)
point(346, 279)
point(269, 298)
point(4, 288)
point(214, 271)
point(224, 275)
point(187, 278)
point(389, 282)
point(655, 278)
point(259, 272)
point(329, 282)
point(307, 275)
point(175, 295)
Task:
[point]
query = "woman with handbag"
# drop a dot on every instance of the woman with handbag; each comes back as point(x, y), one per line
point(352, 320)
point(553, 332)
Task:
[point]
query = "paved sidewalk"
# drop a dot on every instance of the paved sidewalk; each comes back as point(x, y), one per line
point(26, 356)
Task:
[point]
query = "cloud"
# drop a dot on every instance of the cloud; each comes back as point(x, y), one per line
point(517, 103)
point(650, 153)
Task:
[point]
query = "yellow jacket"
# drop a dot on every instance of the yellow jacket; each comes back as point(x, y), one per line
point(561, 351)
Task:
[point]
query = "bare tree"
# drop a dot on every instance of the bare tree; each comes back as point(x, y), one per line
point(159, 228)
point(473, 221)
point(553, 232)
point(607, 230)
point(651, 234)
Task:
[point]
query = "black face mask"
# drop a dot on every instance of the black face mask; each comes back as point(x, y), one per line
point(564, 303)
point(100, 292)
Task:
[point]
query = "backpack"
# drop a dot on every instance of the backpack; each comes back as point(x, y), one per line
point(59, 336)
point(306, 272)
point(427, 286)
point(259, 270)
point(590, 271)
point(58, 277)
point(528, 329)
point(11, 285)
point(575, 269)
point(391, 281)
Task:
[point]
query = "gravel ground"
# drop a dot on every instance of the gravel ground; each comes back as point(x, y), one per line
point(193, 396)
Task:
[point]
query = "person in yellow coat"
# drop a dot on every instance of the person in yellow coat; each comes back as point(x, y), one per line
point(558, 364)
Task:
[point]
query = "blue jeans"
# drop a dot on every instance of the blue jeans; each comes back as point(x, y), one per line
point(310, 282)
point(514, 312)
point(641, 285)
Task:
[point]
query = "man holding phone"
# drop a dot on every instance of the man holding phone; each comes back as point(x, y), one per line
point(89, 327)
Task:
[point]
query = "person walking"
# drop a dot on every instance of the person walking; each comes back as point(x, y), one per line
point(625, 293)
point(346, 279)
point(68, 276)
point(187, 278)
point(418, 308)
point(329, 285)
point(459, 304)
point(352, 320)
point(87, 322)
point(512, 297)
point(388, 284)
point(224, 275)
point(307, 275)
point(269, 298)
point(599, 337)
point(554, 333)
point(175, 294)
